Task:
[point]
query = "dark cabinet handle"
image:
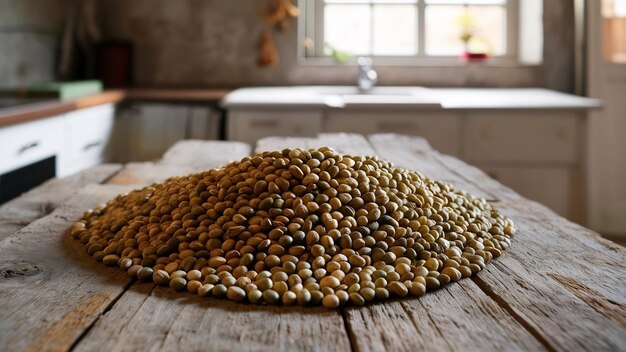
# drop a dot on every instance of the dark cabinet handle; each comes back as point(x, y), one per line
point(27, 147)
point(91, 145)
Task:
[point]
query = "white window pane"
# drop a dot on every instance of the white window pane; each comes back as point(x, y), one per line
point(466, 2)
point(370, 1)
point(395, 30)
point(347, 27)
point(489, 29)
point(443, 30)
point(445, 24)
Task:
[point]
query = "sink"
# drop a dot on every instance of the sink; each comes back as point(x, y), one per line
point(381, 95)
point(335, 97)
point(376, 91)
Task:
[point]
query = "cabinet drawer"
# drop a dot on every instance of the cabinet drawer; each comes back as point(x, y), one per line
point(553, 187)
point(26, 143)
point(522, 137)
point(155, 128)
point(251, 126)
point(441, 130)
point(87, 135)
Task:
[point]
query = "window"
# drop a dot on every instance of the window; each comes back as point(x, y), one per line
point(614, 30)
point(409, 28)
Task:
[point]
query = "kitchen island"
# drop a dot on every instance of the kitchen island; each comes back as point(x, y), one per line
point(560, 287)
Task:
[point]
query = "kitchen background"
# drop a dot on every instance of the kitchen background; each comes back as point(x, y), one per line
point(214, 44)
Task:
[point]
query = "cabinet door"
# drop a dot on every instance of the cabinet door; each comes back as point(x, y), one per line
point(247, 126)
point(440, 129)
point(550, 186)
point(86, 138)
point(155, 128)
point(26, 143)
point(204, 123)
point(532, 136)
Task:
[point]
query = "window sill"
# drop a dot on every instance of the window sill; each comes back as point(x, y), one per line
point(421, 62)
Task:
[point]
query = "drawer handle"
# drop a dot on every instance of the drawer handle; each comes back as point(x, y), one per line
point(26, 147)
point(92, 145)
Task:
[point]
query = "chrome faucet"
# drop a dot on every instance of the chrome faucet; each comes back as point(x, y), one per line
point(367, 76)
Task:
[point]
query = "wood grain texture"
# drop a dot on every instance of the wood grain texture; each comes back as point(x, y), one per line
point(560, 287)
point(142, 174)
point(151, 317)
point(458, 317)
point(562, 279)
point(42, 200)
point(201, 154)
point(182, 158)
point(51, 290)
point(345, 143)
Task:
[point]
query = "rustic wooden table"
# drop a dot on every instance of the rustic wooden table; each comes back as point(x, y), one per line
point(560, 287)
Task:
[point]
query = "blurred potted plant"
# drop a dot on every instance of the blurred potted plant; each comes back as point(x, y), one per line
point(467, 24)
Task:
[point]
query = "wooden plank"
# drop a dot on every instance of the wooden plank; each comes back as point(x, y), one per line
point(146, 173)
point(201, 154)
point(156, 318)
point(182, 158)
point(50, 289)
point(345, 143)
point(42, 200)
point(562, 282)
point(459, 317)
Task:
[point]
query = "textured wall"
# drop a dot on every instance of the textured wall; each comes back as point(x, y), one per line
point(29, 37)
point(213, 43)
point(559, 45)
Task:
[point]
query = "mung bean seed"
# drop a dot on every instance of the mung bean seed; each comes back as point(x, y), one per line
point(298, 227)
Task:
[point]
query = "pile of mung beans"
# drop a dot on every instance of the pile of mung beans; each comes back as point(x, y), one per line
point(307, 227)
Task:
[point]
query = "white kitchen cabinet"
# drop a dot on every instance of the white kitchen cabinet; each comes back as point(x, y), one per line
point(533, 140)
point(441, 129)
point(538, 153)
point(25, 143)
point(526, 137)
point(204, 123)
point(249, 126)
point(155, 128)
point(144, 131)
point(87, 135)
point(552, 186)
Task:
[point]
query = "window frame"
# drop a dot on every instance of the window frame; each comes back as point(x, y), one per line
point(311, 24)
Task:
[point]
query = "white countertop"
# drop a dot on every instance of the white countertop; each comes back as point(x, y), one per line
point(511, 98)
point(340, 97)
